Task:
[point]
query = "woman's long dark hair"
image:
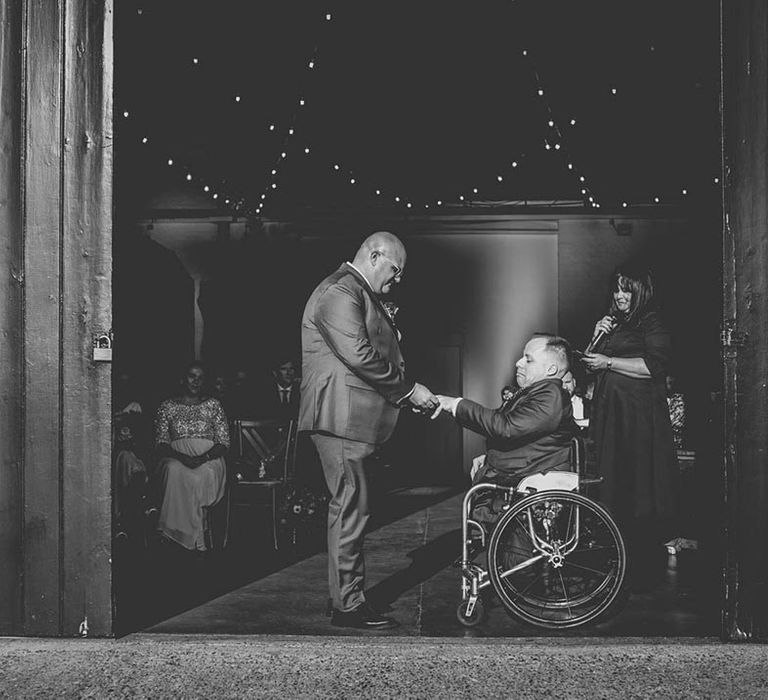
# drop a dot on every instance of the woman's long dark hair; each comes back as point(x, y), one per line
point(633, 278)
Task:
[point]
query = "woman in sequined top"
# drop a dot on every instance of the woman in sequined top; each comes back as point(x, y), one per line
point(192, 438)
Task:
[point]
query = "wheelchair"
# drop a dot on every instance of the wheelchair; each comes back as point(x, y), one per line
point(555, 558)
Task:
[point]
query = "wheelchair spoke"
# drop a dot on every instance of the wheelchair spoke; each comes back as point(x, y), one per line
point(568, 562)
point(565, 592)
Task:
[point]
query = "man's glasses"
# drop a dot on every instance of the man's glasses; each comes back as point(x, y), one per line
point(398, 271)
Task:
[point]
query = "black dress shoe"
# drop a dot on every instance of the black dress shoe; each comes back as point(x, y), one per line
point(363, 617)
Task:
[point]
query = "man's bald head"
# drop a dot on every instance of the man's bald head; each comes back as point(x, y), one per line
point(381, 258)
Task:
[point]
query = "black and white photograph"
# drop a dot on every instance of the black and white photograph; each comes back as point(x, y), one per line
point(405, 349)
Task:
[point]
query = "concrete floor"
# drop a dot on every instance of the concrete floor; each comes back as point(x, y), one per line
point(409, 569)
point(160, 666)
point(270, 638)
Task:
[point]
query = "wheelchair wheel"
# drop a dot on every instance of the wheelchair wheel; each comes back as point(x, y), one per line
point(475, 617)
point(556, 559)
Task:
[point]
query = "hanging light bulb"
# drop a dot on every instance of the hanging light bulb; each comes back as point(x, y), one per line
point(439, 202)
point(570, 166)
point(499, 178)
point(189, 177)
point(301, 103)
point(237, 98)
point(551, 123)
point(656, 199)
point(306, 150)
point(397, 199)
point(125, 114)
point(328, 17)
point(461, 197)
point(557, 146)
point(474, 189)
point(311, 64)
point(624, 204)
point(215, 195)
point(514, 163)
point(685, 191)
point(170, 161)
point(271, 127)
point(144, 140)
point(408, 205)
point(274, 185)
point(195, 61)
point(274, 172)
point(613, 91)
point(206, 189)
point(290, 132)
point(581, 178)
point(335, 167)
point(378, 192)
point(541, 92)
point(573, 122)
point(351, 181)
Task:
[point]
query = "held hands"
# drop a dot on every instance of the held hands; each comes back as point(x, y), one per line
point(448, 404)
point(594, 361)
point(422, 400)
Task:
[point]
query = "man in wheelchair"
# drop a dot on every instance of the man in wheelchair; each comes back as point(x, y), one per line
point(530, 433)
point(554, 557)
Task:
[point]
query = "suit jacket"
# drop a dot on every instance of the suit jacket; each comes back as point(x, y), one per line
point(353, 373)
point(529, 434)
point(269, 404)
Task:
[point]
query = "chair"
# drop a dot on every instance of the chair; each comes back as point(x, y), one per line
point(264, 458)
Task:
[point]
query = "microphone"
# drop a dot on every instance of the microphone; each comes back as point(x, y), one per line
point(600, 335)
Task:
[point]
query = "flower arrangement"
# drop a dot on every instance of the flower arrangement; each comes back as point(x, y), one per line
point(302, 507)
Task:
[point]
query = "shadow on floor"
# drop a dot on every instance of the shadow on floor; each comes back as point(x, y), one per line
point(155, 580)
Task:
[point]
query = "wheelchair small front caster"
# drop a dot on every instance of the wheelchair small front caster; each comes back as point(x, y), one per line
point(470, 617)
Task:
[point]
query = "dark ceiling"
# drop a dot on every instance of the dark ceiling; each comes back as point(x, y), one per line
point(425, 101)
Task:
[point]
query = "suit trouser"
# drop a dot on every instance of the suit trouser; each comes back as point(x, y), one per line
point(343, 465)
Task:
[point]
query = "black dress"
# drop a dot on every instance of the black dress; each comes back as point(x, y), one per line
point(631, 428)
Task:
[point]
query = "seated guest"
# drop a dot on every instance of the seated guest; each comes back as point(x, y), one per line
point(192, 437)
point(240, 396)
point(279, 396)
point(129, 479)
point(531, 432)
point(577, 402)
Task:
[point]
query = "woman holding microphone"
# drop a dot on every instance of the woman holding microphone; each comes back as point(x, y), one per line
point(629, 424)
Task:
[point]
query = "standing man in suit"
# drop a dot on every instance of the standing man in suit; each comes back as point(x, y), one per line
point(353, 385)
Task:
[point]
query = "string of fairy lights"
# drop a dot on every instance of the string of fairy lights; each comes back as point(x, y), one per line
point(225, 196)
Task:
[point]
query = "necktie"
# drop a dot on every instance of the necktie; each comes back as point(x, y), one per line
point(284, 397)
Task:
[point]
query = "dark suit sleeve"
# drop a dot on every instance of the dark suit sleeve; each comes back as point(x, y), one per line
point(340, 319)
point(535, 415)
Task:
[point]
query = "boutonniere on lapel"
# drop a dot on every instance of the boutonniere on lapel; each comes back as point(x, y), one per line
point(391, 308)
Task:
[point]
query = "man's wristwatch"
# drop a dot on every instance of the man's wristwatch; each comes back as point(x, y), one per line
point(610, 363)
